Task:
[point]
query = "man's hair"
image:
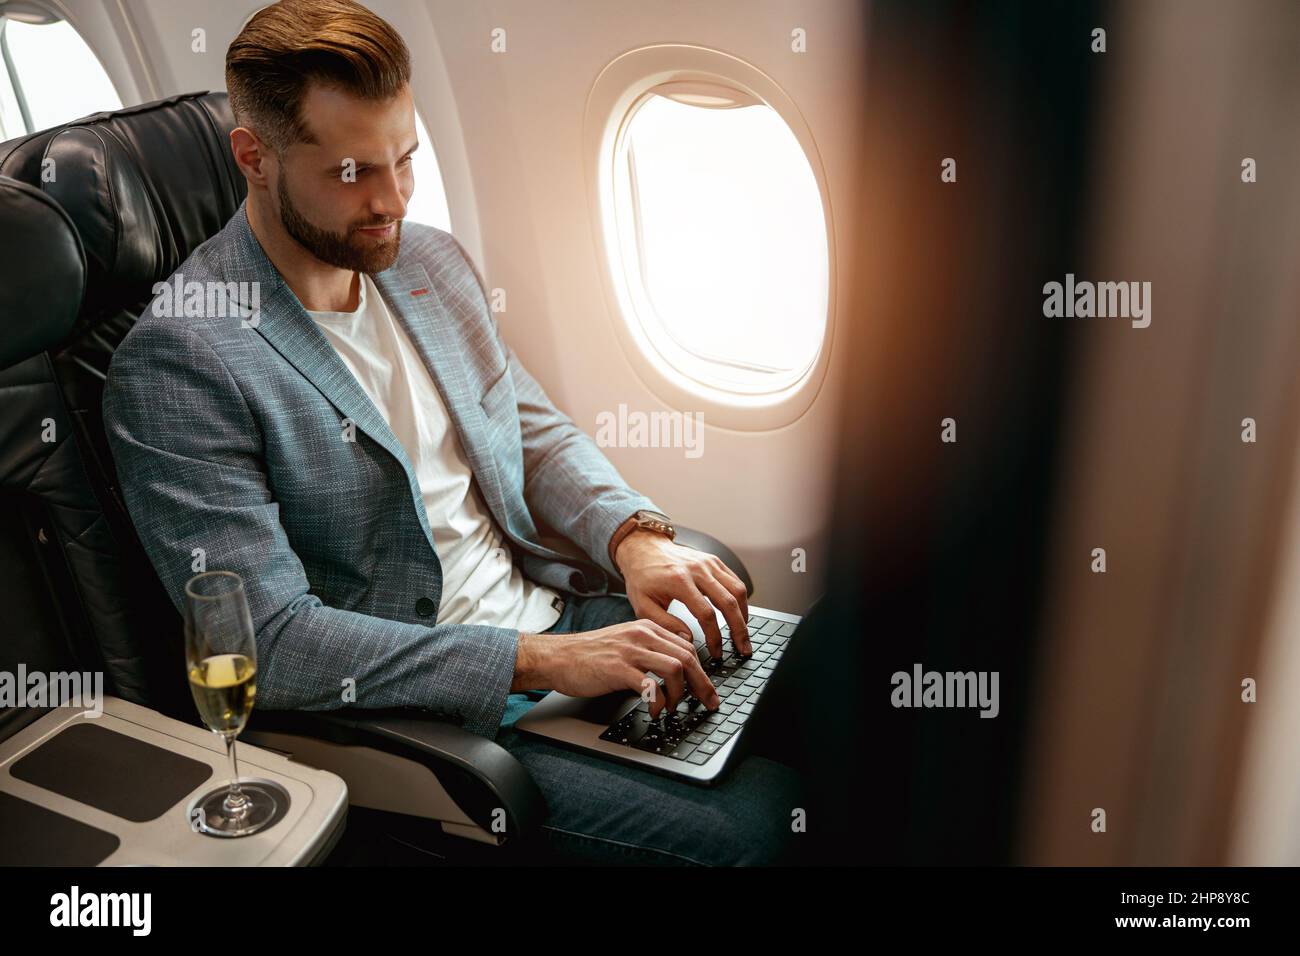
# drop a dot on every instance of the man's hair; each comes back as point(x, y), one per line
point(288, 44)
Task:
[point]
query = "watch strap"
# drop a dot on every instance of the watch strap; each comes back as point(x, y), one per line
point(626, 528)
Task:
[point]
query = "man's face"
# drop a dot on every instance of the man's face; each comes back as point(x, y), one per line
point(349, 222)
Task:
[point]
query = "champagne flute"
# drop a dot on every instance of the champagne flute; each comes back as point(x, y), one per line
point(221, 658)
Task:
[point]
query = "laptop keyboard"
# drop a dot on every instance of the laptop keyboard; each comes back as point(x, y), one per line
point(693, 733)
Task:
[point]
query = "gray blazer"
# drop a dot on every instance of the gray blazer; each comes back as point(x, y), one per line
point(228, 436)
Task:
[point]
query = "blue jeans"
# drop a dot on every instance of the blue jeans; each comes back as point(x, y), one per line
point(600, 811)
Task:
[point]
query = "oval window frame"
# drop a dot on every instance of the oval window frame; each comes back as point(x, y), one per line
point(615, 94)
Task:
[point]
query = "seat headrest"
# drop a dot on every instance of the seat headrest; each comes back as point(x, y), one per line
point(45, 270)
point(144, 186)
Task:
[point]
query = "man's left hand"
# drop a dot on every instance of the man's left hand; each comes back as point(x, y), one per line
point(656, 570)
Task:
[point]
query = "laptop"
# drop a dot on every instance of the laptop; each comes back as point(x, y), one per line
point(692, 743)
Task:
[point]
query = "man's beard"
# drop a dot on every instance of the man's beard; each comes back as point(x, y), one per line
point(334, 248)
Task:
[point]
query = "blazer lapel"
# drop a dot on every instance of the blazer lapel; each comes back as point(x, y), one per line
point(431, 328)
point(285, 324)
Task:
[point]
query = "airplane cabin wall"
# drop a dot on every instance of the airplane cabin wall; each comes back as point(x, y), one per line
point(508, 131)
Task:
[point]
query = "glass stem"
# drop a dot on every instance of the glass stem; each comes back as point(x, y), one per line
point(235, 802)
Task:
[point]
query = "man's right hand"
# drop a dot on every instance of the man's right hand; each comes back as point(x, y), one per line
point(591, 663)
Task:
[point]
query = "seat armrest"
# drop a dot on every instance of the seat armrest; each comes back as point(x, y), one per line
point(478, 774)
point(706, 542)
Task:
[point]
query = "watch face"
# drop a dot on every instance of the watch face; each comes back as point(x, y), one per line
point(656, 521)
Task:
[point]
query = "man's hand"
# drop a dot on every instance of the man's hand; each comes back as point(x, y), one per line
point(657, 570)
point(591, 663)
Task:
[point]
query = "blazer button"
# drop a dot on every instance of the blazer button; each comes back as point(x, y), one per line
point(425, 607)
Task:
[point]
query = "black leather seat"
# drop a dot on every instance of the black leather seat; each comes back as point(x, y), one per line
point(49, 519)
point(92, 214)
point(141, 189)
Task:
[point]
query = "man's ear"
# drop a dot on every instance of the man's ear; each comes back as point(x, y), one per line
point(251, 155)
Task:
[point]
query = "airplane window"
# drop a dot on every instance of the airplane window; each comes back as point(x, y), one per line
point(722, 237)
point(428, 203)
point(11, 117)
point(52, 76)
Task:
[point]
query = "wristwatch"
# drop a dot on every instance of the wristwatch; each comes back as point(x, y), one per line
point(645, 520)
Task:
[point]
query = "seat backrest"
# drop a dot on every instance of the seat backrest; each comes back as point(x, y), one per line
point(135, 191)
point(45, 500)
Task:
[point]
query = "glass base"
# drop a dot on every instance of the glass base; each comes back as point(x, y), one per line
point(214, 816)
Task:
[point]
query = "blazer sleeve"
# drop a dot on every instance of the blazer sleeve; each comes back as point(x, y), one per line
point(188, 453)
point(568, 481)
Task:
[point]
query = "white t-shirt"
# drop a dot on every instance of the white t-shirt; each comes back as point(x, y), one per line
point(480, 583)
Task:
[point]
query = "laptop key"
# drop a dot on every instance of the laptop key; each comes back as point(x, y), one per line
point(659, 738)
point(625, 732)
point(698, 758)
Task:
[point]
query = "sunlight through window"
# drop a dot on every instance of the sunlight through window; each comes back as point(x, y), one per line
point(722, 237)
point(59, 78)
point(428, 203)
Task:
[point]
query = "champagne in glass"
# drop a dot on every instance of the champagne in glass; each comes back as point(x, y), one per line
point(224, 687)
point(221, 657)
